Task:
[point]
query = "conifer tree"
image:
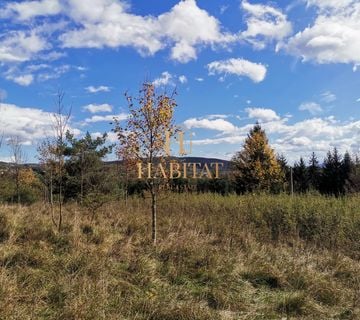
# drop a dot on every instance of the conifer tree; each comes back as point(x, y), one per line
point(256, 166)
point(332, 180)
point(301, 176)
point(314, 172)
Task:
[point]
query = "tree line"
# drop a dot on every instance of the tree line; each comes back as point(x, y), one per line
point(73, 168)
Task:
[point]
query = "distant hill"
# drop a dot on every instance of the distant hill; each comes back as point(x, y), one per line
point(201, 160)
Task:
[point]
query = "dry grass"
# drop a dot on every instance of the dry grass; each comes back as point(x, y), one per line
point(265, 257)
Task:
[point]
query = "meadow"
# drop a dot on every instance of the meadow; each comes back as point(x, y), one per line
point(233, 257)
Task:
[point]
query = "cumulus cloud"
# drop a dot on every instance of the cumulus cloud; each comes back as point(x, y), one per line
point(185, 29)
point(240, 67)
point(20, 46)
point(107, 23)
point(295, 139)
point(334, 36)
point(28, 9)
point(92, 89)
point(22, 80)
point(262, 114)
point(312, 107)
point(264, 24)
point(183, 79)
point(165, 79)
point(108, 118)
point(94, 108)
point(211, 124)
point(29, 124)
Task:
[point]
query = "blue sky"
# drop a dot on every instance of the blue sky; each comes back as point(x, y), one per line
point(292, 66)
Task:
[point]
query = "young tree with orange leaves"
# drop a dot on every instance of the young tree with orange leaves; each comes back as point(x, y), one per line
point(143, 138)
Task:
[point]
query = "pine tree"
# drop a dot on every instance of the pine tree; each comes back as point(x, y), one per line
point(332, 180)
point(285, 171)
point(314, 172)
point(256, 166)
point(301, 176)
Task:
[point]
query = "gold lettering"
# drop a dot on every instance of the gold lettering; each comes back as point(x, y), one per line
point(217, 168)
point(194, 168)
point(206, 171)
point(149, 170)
point(161, 168)
point(140, 172)
point(185, 170)
point(176, 170)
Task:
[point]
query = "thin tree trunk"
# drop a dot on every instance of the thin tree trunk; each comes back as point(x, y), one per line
point(60, 208)
point(153, 215)
point(17, 185)
point(52, 199)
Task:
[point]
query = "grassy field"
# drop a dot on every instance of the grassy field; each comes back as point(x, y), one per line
point(248, 257)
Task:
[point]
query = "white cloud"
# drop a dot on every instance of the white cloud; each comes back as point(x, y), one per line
point(183, 79)
point(92, 89)
point(28, 9)
point(296, 139)
point(22, 80)
point(94, 108)
point(329, 4)
point(108, 118)
point(328, 97)
point(334, 36)
point(224, 140)
point(185, 29)
point(30, 124)
point(215, 124)
point(358, 100)
point(262, 114)
point(255, 71)
point(164, 80)
point(312, 107)
point(107, 23)
point(264, 24)
point(190, 26)
point(20, 46)
point(199, 79)
point(112, 137)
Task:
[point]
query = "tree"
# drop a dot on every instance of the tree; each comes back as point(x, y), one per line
point(314, 172)
point(84, 167)
point(144, 135)
point(333, 179)
point(353, 184)
point(301, 176)
point(60, 119)
point(256, 166)
point(47, 158)
point(285, 168)
point(18, 159)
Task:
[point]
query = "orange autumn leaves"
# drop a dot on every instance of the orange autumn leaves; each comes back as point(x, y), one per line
point(144, 135)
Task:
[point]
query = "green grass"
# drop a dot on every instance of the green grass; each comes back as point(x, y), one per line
point(248, 257)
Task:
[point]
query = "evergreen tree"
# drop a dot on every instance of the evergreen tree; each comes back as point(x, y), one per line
point(256, 166)
point(332, 181)
point(285, 169)
point(84, 167)
point(314, 172)
point(301, 180)
point(354, 177)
